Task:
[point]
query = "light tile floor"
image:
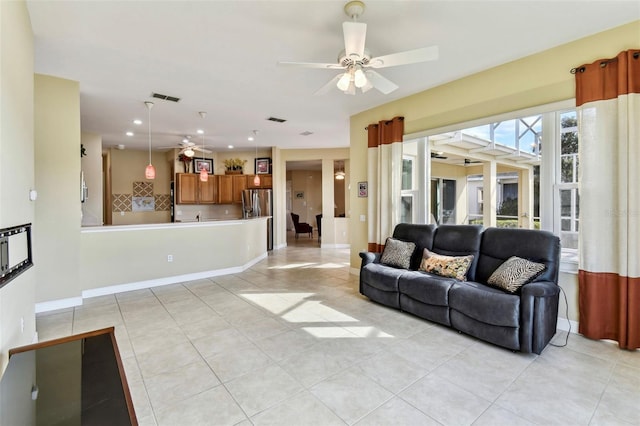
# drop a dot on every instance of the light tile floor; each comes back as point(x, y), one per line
point(292, 342)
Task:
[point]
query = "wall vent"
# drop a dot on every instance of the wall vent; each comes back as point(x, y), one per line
point(277, 120)
point(165, 97)
point(306, 133)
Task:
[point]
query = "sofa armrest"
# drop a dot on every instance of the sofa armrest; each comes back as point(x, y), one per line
point(538, 315)
point(369, 257)
point(540, 289)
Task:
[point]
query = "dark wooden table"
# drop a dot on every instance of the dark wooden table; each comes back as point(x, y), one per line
point(76, 380)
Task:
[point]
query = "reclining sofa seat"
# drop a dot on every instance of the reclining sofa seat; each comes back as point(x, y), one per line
point(524, 321)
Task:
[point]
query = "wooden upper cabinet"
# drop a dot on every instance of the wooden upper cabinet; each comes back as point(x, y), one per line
point(225, 189)
point(239, 185)
point(266, 181)
point(187, 188)
point(208, 190)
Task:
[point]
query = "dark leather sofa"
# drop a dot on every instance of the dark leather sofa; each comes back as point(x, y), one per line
point(523, 321)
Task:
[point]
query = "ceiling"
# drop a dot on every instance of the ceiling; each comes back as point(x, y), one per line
point(220, 57)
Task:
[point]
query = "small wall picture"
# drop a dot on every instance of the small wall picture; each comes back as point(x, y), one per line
point(203, 163)
point(263, 166)
point(299, 195)
point(363, 189)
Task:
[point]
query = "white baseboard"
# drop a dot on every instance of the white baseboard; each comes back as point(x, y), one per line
point(563, 325)
point(54, 305)
point(140, 285)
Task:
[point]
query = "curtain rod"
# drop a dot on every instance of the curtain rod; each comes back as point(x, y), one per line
point(603, 64)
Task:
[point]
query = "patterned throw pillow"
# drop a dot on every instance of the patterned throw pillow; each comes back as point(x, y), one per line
point(397, 253)
point(446, 266)
point(514, 273)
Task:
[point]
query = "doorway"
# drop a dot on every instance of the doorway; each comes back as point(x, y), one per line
point(443, 201)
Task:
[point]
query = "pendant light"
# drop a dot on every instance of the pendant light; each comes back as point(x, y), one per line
point(204, 174)
point(256, 178)
point(150, 171)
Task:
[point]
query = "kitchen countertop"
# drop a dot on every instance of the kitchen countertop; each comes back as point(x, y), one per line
point(169, 225)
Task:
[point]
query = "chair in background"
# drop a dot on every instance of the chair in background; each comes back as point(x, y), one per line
point(301, 227)
point(319, 225)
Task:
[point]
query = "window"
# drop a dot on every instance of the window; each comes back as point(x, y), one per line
point(568, 182)
point(545, 137)
point(409, 205)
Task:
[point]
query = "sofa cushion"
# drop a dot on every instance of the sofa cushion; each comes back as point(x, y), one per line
point(446, 266)
point(485, 304)
point(499, 244)
point(420, 234)
point(397, 253)
point(514, 273)
point(426, 288)
point(459, 240)
point(381, 276)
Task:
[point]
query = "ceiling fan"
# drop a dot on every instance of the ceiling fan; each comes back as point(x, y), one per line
point(188, 148)
point(357, 62)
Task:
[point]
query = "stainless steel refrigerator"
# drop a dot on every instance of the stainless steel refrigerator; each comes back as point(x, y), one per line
point(257, 203)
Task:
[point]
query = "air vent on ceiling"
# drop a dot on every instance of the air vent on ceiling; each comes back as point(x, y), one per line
point(306, 133)
point(277, 120)
point(165, 97)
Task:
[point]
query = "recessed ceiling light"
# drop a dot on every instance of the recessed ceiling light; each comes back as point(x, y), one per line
point(200, 131)
point(185, 140)
point(138, 122)
point(230, 147)
point(250, 138)
point(129, 133)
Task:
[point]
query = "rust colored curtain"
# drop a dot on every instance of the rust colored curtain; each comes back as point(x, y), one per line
point(384, 174)
point(608, 101)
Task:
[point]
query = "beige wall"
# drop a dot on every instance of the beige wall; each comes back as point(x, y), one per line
point(127, 167)
point(91, 165)
point(16, 167)
point(58, 210)
point(309, 183)
point(535, 80)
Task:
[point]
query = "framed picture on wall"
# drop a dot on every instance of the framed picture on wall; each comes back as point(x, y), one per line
point(363, 189)
point(263, 166)
point(203, 163)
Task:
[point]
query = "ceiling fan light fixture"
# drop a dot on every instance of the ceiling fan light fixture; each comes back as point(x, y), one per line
point(189, 152)
point(340, 175)
point(359, 79)
point(344, 82)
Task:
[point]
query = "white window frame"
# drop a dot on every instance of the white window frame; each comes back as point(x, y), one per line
point(549, 164)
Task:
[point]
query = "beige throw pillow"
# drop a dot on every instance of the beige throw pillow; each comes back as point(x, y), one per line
point(446, 266)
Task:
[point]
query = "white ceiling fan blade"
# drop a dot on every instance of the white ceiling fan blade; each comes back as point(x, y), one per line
point(403, 58)
point(197, 148)
point(310, 65)
point(327, 87)
point(355, 34)
point(381, 83)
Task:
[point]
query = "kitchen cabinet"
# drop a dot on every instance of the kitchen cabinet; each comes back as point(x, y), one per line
point(208, 193)
point(266, 182)
point(190, 190)
point(230, 188)
point(225, 189)
point(187, 188)
point(239, 185)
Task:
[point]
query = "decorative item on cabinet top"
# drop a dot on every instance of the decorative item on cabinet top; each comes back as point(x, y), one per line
point(234, 166)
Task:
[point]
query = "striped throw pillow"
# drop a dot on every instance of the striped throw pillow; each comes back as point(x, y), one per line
point(514, 273)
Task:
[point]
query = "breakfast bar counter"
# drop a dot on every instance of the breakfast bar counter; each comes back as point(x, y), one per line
point(129, 257)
